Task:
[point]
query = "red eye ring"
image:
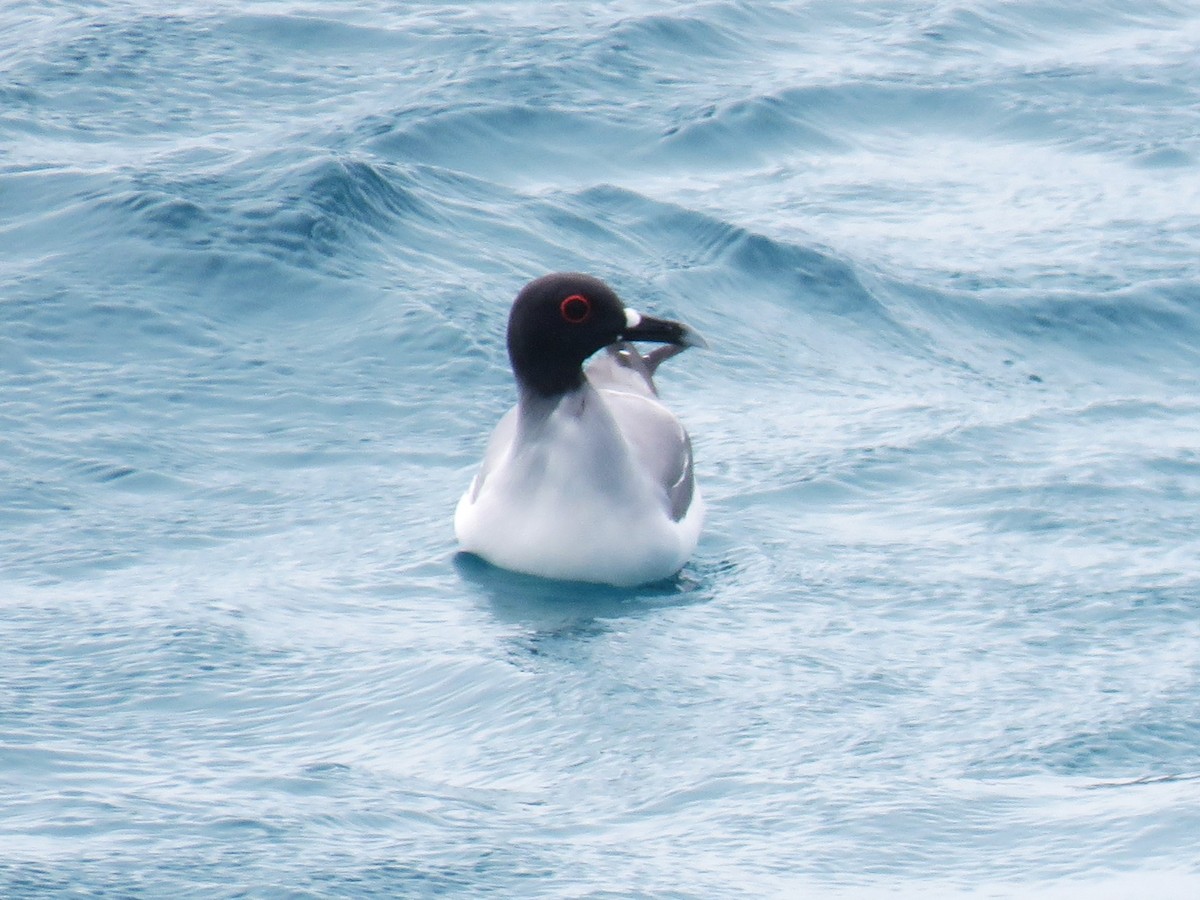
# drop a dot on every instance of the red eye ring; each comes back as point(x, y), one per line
point(576, 309)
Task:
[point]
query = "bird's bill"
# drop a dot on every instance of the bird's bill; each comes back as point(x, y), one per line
point(661, 331)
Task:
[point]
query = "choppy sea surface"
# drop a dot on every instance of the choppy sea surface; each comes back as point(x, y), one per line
point(942, 634)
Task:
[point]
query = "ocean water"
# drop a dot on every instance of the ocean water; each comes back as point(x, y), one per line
point(941, 636)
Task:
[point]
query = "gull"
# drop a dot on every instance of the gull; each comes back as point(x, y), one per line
point(589, 477)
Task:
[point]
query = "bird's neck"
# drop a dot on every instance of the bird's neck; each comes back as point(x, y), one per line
point(534, 408)
point(548, 381)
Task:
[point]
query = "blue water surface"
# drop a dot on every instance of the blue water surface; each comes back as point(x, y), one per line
point(942, 633)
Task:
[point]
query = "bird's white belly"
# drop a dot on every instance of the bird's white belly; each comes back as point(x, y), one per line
point(572, 507)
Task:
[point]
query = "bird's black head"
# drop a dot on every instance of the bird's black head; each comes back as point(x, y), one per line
point(558, 321)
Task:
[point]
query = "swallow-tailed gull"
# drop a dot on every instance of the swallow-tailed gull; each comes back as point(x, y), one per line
point(589, 477)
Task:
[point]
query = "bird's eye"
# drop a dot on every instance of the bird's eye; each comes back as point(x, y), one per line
point(576, 309)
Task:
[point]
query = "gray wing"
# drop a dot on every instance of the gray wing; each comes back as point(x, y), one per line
point(660, 444)
point(497, 448)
